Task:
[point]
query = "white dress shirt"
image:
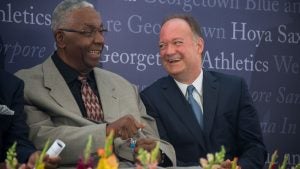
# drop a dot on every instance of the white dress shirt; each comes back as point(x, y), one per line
point(198, 93)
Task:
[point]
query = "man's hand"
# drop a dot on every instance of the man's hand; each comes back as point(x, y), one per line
point(125, 127)
point(50, 162)
point(31, 161)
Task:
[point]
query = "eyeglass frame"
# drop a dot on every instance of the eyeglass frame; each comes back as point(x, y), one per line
point(85, 32)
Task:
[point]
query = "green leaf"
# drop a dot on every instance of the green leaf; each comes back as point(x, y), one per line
point(11, 157)
point(87, 150)
point(219, 156)
point(154, 153)
point(108, 144)
point(273, 159)
point(40, 161)
point(284, 163)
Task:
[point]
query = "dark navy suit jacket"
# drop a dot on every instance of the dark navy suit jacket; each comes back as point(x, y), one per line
point(230, 119)
point(13, 127)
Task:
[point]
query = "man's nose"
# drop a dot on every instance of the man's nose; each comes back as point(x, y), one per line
point(99, 38)
point(170, 49)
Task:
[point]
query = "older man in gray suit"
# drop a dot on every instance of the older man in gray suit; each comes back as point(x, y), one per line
point(69, 98)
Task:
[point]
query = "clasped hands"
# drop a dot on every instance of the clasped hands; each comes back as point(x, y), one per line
point(127, 128)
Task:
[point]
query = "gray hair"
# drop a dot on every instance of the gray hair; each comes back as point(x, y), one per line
point(65, 7)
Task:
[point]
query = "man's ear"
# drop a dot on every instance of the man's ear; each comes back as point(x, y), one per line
point(200, 44)
point(60, 39)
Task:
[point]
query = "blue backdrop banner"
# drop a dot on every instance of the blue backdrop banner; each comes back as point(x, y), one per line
point(256, 39)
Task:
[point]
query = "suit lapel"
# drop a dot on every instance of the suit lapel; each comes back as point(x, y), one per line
point(210, 99)
point(108, 96)
point(59, 89)
point(182, 109)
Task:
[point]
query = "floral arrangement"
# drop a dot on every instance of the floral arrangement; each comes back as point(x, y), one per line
point(86, 162)
point(274, 157)
point(148, 160)
point(11, 161)
point(214, 161)
point(107, 160)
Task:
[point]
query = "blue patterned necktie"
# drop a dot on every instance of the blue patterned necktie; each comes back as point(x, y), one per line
point(195, 106)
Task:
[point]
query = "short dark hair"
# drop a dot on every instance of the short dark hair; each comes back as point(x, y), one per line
point(191, 21)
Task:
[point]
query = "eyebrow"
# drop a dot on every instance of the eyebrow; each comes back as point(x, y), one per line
point(174, 39)
point(93, 26)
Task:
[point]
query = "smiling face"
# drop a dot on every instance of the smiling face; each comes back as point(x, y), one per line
point(180, 50)
point(80, 51)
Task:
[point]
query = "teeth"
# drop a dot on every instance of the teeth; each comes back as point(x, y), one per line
point(97, 52)
point(174, 58)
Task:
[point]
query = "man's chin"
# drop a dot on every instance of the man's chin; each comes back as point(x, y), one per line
point(93, 62)
point(174, 71)
point(92, 66)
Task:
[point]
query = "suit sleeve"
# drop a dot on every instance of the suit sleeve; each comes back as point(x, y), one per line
point(250, 141)
point(19, 130)
point(42, 128)
point(151, 131)
point(153, 113)
point(161, 130)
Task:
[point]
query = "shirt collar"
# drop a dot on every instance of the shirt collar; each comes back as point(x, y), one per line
point(67, 72)
point(197, 84)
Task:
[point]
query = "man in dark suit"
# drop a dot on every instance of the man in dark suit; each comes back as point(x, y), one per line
point(198, 111)
point(13, 123)
point(12, 117)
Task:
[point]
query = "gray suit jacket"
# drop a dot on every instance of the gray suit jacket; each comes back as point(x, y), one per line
point(53, 113)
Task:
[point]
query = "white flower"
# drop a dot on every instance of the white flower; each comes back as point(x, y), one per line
point(210, 157)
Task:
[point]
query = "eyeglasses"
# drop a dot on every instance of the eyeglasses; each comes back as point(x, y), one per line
point(89, 32)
